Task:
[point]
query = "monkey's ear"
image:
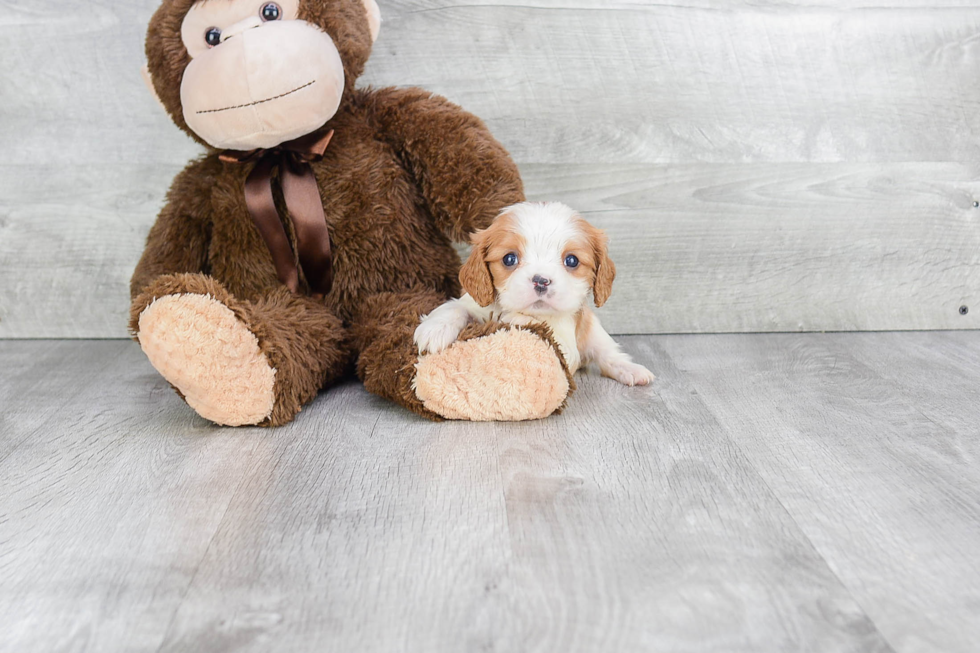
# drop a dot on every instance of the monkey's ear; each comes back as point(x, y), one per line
point(374, 18)
point(148, 80)
point(474, 276)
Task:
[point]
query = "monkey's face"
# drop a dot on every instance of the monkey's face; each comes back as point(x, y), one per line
point(259, 73)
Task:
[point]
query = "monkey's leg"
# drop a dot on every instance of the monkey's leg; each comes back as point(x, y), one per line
point(494, 371)
point(238, 362)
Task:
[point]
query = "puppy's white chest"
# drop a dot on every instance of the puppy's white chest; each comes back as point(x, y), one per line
point(563, 330)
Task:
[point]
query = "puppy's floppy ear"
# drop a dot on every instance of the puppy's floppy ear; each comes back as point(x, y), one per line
point(605, 271)
point(475, 274)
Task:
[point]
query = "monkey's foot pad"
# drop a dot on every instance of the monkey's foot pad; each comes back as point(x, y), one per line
point(509, 375)
point(210, 357)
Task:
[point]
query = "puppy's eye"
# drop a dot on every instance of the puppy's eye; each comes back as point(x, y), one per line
point(510, 260)
point(571, 261)
point(271, 11)
point(213, 37)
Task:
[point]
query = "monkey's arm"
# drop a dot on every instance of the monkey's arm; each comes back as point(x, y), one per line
point(466, 176)
point(178, 241)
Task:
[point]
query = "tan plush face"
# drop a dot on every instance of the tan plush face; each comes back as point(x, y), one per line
point(258, 76)
point(255, 73)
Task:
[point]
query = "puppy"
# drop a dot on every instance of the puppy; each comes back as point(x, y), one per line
point(536, 264)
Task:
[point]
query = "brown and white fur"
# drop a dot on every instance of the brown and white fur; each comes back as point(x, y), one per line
point(536, 264)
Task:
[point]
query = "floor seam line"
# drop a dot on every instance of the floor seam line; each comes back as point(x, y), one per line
point(204, 555)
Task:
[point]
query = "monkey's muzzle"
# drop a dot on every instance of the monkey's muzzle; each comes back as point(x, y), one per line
point(264, 86)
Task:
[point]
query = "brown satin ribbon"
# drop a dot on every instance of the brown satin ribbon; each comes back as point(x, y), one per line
point(292, 159)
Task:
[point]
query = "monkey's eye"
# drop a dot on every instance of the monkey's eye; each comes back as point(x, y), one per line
point(213, 37)
point(271, 11)
point(510, 260)
point(571, 261)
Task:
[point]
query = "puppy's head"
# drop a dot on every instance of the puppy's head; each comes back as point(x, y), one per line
point(538, 259)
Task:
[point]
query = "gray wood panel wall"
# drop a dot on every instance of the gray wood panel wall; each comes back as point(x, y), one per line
point(759, 166)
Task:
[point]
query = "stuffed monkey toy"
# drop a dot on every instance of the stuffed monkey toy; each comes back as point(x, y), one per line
point(308, 240)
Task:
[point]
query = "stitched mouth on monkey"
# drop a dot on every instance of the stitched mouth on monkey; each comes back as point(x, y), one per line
point(252, 104)
point(267, 85)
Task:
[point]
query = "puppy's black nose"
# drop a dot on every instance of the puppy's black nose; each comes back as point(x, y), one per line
point(540, 284)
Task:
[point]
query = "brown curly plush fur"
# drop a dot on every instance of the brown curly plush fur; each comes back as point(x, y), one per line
point(406, 173)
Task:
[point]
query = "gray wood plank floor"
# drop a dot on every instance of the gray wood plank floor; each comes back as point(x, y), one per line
point(805, 492)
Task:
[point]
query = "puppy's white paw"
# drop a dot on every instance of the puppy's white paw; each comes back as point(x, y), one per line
point(434, 335)
point(630, 373)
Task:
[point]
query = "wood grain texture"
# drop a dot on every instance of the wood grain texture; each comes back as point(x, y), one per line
point(109, 498)
point(633, 522)
point(871, 445)
point(473, 537)
point(678, 82)
point(69, 241)
point(36, 384)
point(792, 247)
point(761, 167)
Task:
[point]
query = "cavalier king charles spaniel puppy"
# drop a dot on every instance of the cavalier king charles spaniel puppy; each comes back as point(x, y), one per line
point(536, 264)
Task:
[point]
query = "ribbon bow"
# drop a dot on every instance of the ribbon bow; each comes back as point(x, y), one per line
point(302, 195)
